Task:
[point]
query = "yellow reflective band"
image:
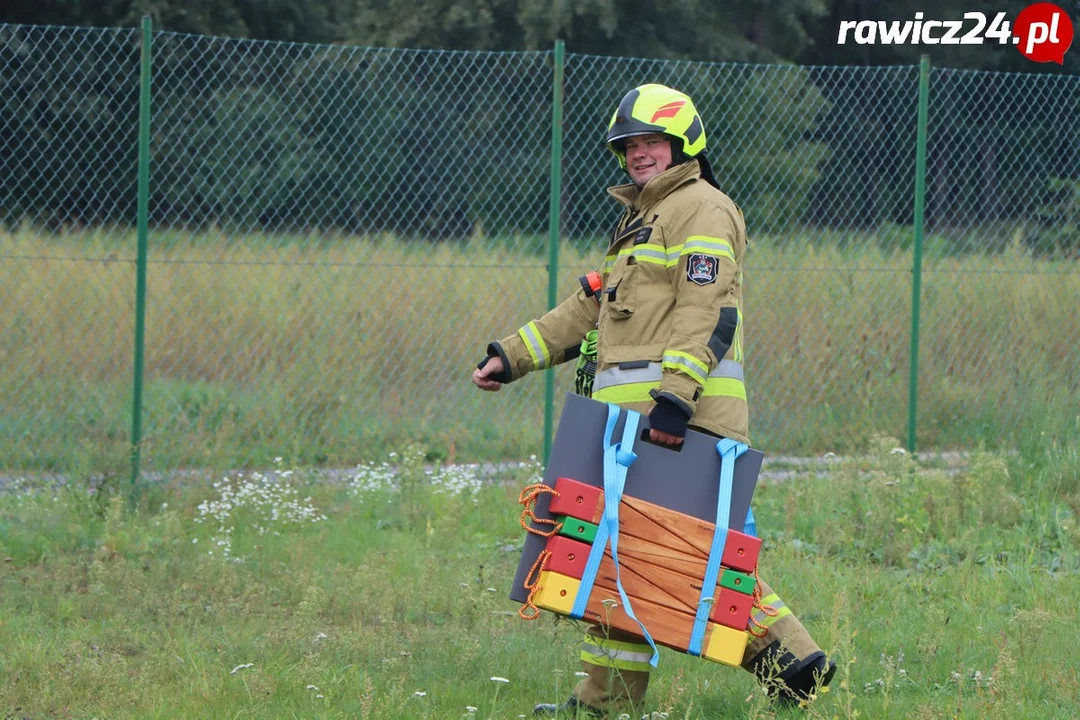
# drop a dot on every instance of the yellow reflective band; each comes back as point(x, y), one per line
point(646, 252)
point(782, 611)
point(770, 599)
point(724, 387)
point(639, 392)
point(737, 357)
point(616, 654)
point(657, 254)
point(686, 363)
point(603, 643)
point(708, 245)
point(619, 659)
point(626, 393)
point(534, 343)
point(653, 259)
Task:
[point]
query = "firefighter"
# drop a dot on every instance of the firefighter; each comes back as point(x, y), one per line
point(664, 314)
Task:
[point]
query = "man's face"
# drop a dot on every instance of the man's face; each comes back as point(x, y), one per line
point(647, 156)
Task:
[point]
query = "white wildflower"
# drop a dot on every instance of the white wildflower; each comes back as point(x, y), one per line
point(269, 504)
point(499, 680)
point(238, 668)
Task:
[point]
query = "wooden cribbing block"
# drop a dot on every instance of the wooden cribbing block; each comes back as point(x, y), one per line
point(669, 628)
point(578, 529)
point(634, 550)
point(652, 582)
point(658, 525)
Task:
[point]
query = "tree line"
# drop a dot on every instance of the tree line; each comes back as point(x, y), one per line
point(798, 31)
point(334, 129)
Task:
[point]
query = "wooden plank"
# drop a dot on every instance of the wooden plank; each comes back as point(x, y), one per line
point(659, 526)
point(650, 582)
point(668, 628)
point(635, 551)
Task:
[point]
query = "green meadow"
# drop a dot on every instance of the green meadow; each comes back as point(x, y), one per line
point(383, 594)
point(332, 349)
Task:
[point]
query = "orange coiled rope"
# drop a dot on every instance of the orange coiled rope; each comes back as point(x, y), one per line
point(532, 581)
point(769, 610)
point(528, 497)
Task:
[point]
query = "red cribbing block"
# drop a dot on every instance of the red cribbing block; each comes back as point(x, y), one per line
point(568, 557)
point(741, 552)
point(577, 500)
point(732, 609)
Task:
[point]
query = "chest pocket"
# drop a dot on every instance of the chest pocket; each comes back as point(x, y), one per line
point(621, 292)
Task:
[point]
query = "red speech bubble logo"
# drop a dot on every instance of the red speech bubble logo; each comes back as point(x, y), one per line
point(1043, 32)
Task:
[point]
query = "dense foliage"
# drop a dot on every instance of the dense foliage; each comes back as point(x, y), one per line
point(325, 132)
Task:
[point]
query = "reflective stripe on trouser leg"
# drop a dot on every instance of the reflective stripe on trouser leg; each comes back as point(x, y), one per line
point(785, 628)
point(616, 666)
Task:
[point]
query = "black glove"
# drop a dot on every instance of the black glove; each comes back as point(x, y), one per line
point(668, 417)
point(494, 350)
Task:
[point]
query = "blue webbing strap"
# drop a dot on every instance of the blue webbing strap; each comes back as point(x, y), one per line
point(617, 459)
point(750, 526)
point(588, 576)
point(729, 450)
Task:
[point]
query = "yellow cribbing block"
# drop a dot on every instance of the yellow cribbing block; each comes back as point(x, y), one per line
point(557, 592)
point(726, 645)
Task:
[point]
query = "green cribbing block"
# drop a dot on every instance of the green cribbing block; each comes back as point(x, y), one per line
point(737, 581)
point(578, 529)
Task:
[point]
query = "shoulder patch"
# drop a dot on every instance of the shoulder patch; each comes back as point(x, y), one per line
point(642, 236)
point(701, 268)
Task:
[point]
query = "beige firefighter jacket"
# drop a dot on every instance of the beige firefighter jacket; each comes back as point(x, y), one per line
point(669, 321)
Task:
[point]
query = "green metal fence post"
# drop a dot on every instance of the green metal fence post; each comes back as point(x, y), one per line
point(916, 269)
point(553, 230)
point(143, 213)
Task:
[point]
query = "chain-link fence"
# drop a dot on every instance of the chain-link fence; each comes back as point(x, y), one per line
point(335, 233)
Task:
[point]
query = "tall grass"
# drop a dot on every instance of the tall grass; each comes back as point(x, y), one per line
point(384, 596)
point(331, 348)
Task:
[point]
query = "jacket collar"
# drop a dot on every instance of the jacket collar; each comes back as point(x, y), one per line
point(658, 188)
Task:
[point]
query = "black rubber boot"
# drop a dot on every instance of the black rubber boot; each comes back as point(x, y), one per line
point(788, 680)
point(570, 709)
point(816, 672)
